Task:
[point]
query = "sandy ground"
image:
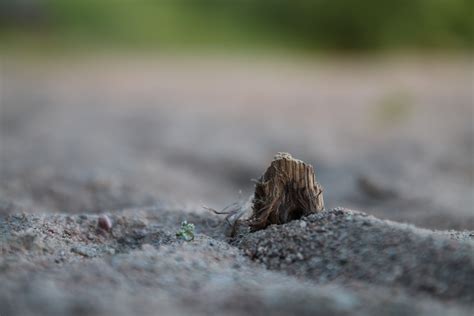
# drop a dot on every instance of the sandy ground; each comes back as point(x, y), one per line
point(149, 141)
point(337, 262)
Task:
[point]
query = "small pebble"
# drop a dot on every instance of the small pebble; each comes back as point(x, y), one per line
point(111, 251)
point(147, 247)
point(84, 251)
point(105, 223)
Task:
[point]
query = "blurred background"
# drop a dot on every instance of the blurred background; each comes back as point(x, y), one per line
point(119, 104)
point(188, 24)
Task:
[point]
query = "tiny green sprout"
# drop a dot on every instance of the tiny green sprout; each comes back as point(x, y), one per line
point(186, 231)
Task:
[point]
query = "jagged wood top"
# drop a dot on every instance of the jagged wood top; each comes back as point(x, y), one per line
point(287, 190)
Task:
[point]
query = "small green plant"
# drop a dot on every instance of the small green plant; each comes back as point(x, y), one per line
point(186, 231)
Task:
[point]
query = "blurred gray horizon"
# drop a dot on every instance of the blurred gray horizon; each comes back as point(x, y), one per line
point(109, 105)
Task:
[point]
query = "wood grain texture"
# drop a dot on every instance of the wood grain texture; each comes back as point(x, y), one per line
point(287, 190)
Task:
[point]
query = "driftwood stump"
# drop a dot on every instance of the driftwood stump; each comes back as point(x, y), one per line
point(287, 190)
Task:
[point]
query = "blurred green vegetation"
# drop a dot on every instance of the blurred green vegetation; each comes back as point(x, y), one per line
point(318, 25)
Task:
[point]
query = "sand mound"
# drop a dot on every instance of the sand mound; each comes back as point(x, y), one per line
point(346, 246)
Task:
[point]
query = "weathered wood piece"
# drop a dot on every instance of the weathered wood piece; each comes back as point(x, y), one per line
point(287, 190)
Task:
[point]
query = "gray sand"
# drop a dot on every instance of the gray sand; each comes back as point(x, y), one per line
point(148, 142)
point(337, 262)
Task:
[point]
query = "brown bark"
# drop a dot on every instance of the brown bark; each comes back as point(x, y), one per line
point(287, 190)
